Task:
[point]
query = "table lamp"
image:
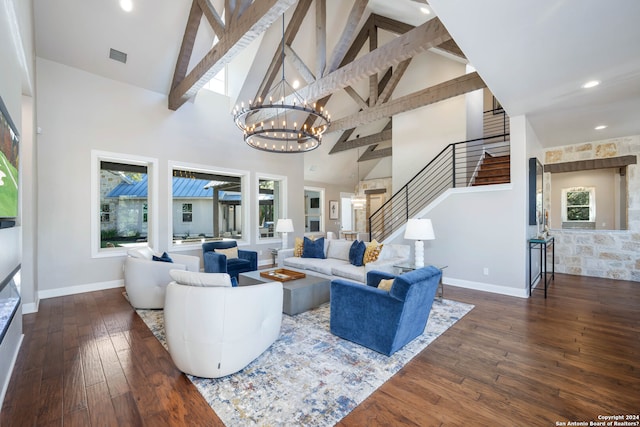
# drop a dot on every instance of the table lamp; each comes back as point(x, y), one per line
point(419, 229)
point(284, 226)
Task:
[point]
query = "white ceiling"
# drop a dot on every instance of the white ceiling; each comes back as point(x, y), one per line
point(533, 56)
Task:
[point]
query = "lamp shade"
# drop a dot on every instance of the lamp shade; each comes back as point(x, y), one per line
point(419, 229)
point(284, 226)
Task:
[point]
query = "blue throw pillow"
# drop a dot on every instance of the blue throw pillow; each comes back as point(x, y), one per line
point(356, 253)
point(164, 258)
point(313, 248)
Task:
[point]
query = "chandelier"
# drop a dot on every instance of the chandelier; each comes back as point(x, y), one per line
point(278, 122)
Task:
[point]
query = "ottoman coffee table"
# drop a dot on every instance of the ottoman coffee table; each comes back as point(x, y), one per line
point(299, 295)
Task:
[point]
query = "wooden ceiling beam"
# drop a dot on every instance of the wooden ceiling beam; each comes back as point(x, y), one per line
point(321, 36)
point(403, 47)
point(373, 79)
point(188, 40)
point(371, 153)
point(346, 41)
point(299, 64)
point(451, 47)
point(253, 22)
point(356, 97)
point(391, 25)
point(347, 133)
point(449, 89)
point(398, 72)
point(377, 138)
point(213, 18)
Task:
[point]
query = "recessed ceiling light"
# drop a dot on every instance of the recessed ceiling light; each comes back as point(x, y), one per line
point(590, 84)
point(296, 84)
point(425, 10)
point(600, 127)
point(126, 5)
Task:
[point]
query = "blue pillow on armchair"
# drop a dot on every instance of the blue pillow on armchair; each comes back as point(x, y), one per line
point(313, 248)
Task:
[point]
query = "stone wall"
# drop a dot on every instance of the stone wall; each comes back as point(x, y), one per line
point(611, 254)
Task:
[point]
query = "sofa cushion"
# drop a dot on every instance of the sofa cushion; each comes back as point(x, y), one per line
point(295, 262)
point(313, 248)
point(191, 278)
point(372, 252)
point(349, 272)
point(339, 249)
point(356, 253)
point(230, 253)
point(324, 266)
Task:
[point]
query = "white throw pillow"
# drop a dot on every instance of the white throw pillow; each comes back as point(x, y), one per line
point(230, 253)
point(339, 249)
point(191, 278)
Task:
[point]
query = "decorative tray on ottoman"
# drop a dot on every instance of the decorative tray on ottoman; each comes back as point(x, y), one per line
point(282, 275)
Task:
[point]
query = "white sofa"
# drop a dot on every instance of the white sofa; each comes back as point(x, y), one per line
point(214, 329)
point(146, 280)
point(336, 262)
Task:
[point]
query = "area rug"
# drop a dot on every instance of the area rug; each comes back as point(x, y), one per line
point(308, 377)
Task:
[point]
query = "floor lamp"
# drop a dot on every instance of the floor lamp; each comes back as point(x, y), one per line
point(419, 229)
point(283, 227)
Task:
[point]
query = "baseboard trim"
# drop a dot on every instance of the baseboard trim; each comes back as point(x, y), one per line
point(80, 289)
point(487, 287)
point(31, 307)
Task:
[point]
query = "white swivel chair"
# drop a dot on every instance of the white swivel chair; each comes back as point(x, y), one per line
point(145, 280)
point(213, 329)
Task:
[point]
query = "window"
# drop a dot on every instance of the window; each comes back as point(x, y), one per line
point(206, 204)
point(578, 204)
point(313, 209)
point(122, 203)
point(104, 212)
point(187, 212)
point(270, 205)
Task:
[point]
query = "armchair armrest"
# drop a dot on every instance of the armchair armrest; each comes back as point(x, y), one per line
point(251, 256)
point(284, 254)
point(215, 262)
point(192, 263)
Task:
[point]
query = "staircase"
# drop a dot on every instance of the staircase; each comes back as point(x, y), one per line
point(482, 161)
point(493, 170)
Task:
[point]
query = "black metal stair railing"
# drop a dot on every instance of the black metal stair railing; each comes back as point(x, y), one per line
point(454, 167)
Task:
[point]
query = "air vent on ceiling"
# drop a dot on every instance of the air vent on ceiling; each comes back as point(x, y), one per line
point(118, 56)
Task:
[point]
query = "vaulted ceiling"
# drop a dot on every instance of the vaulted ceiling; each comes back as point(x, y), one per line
point(351, 55)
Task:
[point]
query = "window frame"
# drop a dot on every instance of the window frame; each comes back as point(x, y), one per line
point(97, 157)
point(321, 215)
point(283, 204)
point(244, 176)
point(591, 206)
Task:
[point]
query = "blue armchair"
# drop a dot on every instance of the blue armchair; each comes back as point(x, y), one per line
point(384, 321)
point(219, 263)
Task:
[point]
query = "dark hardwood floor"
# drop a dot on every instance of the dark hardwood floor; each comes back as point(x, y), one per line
point(89, 360)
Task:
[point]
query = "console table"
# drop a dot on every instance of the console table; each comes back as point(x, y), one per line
point(542, 244)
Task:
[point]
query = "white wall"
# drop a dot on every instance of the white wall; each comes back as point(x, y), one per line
point(79, 112)
point(419, 135)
